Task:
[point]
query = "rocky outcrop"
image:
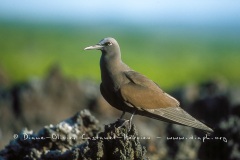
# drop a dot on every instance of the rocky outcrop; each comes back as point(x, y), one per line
point(39, 102)
point(77, 138)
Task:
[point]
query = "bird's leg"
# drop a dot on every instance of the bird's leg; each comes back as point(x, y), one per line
point(122, 115)
point(130, 121)
point(122, 120)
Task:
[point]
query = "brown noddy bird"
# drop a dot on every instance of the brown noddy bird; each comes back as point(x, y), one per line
point(130, 91)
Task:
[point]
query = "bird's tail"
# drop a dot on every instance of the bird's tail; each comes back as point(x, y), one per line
point(176, 115)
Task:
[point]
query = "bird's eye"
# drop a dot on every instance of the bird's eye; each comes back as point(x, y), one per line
point(108, 43)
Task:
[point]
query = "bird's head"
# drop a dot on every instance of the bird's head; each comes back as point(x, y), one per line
point(106, 45)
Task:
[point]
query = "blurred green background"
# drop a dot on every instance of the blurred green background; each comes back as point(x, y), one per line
point(172, 51)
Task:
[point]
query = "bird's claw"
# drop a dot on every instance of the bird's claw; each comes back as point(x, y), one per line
point(124, 122)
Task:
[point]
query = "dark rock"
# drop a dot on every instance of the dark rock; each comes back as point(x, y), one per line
point(115, 143)
point(203, 109)
point(228, 146)
point(54, 139)
point(179, 144)
point(77, 138)
point(38, 102)
point(213, 100)
point(25, 104)
point(236, 110)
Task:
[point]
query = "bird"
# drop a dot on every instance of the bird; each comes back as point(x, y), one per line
point(130, 91)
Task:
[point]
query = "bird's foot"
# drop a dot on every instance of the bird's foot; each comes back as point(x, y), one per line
point(125, 122)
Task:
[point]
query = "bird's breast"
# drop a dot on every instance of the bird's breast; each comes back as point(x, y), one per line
point(111, 82)
point(112, 73)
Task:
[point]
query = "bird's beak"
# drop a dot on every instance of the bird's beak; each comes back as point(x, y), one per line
point(97, 47)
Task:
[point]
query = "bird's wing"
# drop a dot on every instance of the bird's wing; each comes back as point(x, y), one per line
point(144, 93)
point(151, 101)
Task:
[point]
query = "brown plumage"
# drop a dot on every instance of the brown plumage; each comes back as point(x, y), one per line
point(130, 91)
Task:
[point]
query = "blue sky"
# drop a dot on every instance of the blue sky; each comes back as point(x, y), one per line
point(124, 11)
